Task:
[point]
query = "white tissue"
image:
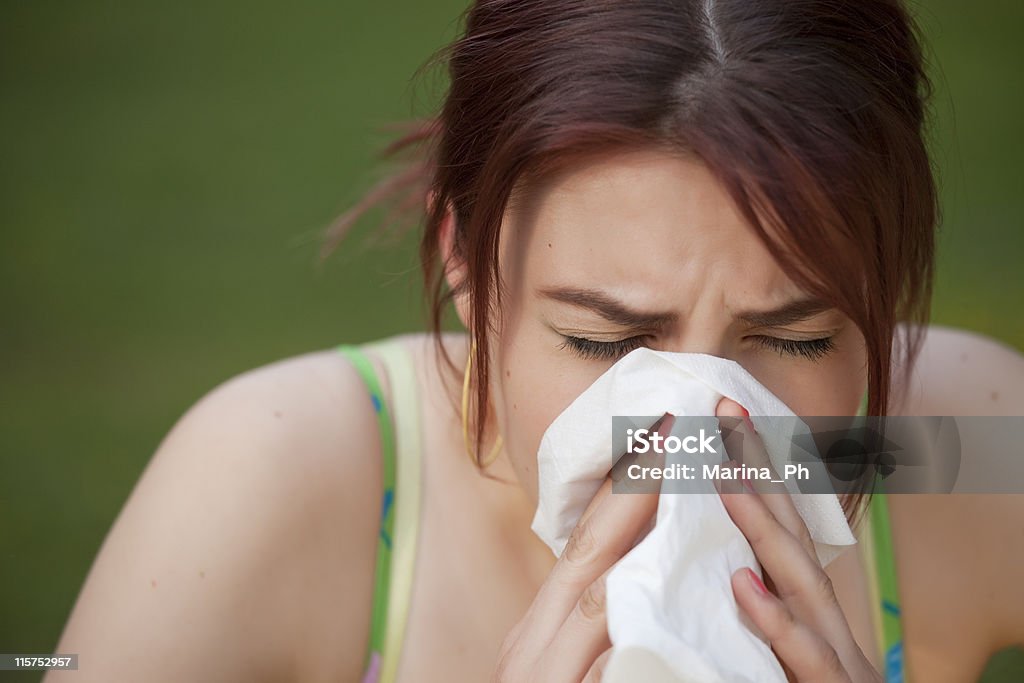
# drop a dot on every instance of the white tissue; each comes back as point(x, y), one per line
point(671, 595)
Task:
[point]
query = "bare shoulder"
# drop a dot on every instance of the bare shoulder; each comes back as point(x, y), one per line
point(246, 549)
point(965, 373)
point(962, 373)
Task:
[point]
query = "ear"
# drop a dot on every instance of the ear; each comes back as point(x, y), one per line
point(455, 268)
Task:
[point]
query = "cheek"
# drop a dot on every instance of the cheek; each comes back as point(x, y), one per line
point(832, 386)
point(537, 382)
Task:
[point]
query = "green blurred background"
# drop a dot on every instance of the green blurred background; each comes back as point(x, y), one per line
point(166, 170)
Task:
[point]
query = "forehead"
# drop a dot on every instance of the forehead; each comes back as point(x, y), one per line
point(634, 220)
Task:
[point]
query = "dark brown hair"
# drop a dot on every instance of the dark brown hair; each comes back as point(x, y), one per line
point(811, 113)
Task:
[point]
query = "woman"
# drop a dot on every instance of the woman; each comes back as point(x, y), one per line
point(742, 178)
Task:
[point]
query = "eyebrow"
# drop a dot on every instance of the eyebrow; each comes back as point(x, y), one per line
point(608, 308)
point(617, 312)
point(788, 313)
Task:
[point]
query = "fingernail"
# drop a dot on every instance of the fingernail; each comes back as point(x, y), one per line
point(758, 585)
point(748, 422)
point(747, 484)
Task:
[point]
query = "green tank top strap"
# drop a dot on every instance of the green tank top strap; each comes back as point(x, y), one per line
point(382, 571)
point(886, 597)
point(880, 565)
point(400, 438)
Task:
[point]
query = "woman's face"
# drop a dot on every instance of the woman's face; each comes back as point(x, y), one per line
point(646, 249)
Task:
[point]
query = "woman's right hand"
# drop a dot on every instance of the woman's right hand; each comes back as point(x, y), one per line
point(563, 638)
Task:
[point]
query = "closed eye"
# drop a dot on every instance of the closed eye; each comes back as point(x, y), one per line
point(812, 349)
point(589, 349)
point(595, 350)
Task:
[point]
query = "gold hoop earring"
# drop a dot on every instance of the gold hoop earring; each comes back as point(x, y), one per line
point(465, 416)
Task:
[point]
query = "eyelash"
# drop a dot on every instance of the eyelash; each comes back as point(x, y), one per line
point(811, 349)
point(588, 349)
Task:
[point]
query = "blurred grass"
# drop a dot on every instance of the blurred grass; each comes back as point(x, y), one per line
point(165, 170)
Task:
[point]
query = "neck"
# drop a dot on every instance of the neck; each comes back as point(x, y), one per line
point(499, 491)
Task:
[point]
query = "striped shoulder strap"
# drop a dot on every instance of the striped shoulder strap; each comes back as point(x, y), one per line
point(885, 593)
point(406, 404)
point(880, 567)
point(382, 572)
point(405, 412)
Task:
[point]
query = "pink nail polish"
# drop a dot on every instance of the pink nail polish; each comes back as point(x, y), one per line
point(749, 422)
point(761, 588)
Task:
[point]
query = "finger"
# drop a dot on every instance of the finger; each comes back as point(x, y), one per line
point(808, 655)
point(596, 672)
point(583, 636)
point(750, 450)
point(662, 426)
point(605, 532)
point(801, 582)
point(745, 446)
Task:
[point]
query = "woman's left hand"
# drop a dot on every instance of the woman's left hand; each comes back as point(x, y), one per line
point(799, 614)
